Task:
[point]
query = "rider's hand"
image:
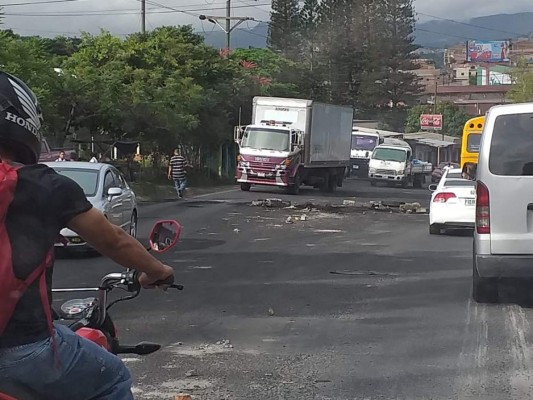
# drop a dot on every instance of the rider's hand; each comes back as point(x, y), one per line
point(148, 281)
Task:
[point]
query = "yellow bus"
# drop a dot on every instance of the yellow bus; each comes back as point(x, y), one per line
point(471, 142)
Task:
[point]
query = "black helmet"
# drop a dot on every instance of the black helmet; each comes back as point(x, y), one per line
point(20, 119)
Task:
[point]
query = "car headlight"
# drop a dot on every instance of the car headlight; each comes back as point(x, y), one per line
point(401, 172)
point(372, 170)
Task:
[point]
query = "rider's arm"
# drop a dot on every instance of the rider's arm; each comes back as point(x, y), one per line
point(115, 243)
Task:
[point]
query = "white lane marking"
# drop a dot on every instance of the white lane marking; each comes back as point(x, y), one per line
point(215, 193)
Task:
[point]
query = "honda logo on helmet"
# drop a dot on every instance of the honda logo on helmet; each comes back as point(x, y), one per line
point(21, 122)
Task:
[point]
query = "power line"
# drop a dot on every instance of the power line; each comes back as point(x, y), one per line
point(119, 12)
point(37, 2)
point(256, 6)
point(442, 33)
point(171, 8)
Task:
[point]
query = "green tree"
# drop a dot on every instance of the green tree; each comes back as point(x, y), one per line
point(165, 88)
point(29, 60)
point(399, 87)
point(283, 32)
point(270, 74)
point(453, 118)
point(522, 89)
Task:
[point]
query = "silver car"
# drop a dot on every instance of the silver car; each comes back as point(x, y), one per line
point(503, 239)
point(107, 190)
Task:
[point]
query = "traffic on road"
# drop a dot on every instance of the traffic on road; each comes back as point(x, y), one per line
point(325, 294)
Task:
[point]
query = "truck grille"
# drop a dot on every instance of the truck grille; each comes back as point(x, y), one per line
point(385, 172)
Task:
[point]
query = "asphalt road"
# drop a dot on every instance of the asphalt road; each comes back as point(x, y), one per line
point(338, 306)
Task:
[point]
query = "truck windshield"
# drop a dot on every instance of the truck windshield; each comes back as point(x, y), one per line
point(390, 155)
point(266, 139)
point(361, 142)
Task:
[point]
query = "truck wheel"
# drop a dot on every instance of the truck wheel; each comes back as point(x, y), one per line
point(245, 187)
point(405, 183)
point(332, 183)
point(295, 188)
point(484, 290)
point(417, 182)
point(373, 183)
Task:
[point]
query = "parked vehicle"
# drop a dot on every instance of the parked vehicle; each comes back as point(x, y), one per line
point(363, 144)
point(107, 190)
point(90, 318)
point(392, 162)
point(503, 239)
point(294, 142)
point(452, 203)
point(436, 175)
point(48, 154)
point(470, 143)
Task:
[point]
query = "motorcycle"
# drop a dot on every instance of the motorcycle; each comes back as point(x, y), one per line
point(89, 317)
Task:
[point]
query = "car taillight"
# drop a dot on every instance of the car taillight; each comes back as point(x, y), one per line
point(443, 197)
point(482, 209)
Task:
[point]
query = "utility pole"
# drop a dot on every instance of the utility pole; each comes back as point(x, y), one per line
point(143, 16)
point(226, 28)
point(228, 24)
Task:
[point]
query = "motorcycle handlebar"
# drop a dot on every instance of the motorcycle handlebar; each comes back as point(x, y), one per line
point(131, 278)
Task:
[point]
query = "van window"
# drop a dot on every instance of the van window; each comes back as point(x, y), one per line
point(511, 148)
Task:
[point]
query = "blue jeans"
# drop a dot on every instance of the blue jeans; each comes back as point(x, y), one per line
point(180, 185)
point(83, 371)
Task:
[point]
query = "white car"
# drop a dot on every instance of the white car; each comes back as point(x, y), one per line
point(107, 190)
point(453, 202)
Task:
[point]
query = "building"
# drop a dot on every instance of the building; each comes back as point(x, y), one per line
point(434, 147)
point(474, 100)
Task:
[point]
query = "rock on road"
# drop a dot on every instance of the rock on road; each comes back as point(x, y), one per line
point(334, 306)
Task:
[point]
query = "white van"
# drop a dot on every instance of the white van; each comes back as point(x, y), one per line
point(503, 239)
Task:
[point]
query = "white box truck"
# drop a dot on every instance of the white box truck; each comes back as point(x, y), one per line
point(393, 162)
point(294, 142)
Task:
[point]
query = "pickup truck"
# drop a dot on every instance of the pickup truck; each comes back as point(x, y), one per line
point(48, 154)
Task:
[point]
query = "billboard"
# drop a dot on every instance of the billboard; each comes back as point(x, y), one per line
point(431, 121)
point(488, 51)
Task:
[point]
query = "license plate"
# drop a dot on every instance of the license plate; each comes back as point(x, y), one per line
point(261, 174)
point(356, 167)
point(470, 202)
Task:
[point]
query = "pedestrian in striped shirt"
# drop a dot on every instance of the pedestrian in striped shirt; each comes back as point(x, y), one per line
point(177, 172)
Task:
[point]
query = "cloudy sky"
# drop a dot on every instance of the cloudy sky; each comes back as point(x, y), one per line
point(69, 17)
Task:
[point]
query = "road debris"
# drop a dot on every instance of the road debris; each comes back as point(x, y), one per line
point(303, 217)
point(410, 208)
point(271, 312)
point(183, 396)
point(191, 373)
point(236, 230)
point(349, 202)
point(289, 220)
point(271, 203)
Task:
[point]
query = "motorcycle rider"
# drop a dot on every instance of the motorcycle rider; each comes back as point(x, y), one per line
point(51, 360)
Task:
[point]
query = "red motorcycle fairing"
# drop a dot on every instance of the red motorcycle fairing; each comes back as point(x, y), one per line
point(95, 336)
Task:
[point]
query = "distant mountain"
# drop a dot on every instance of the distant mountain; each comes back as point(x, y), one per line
point(431, 34)
point(443, 33)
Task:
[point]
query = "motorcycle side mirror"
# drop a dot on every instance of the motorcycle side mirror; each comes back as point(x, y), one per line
point(165, 234)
